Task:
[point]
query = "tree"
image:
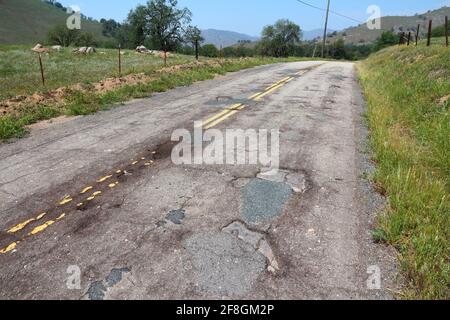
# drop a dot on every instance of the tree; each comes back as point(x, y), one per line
point(193, 35)
point(337, 50)
point(61, 35)
point(280, 39)
point(165, 23)
point(110, 27)
point(135, 30)
point(209, 50)
point(387, 39)
point(439, 32)
point(85, 39)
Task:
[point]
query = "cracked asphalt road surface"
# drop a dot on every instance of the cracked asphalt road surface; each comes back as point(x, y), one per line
point(159, 230)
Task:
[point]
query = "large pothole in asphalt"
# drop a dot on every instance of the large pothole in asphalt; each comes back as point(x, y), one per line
point(264, 200)
point(223, 264)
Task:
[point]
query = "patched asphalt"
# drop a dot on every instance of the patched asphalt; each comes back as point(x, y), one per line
point(264, 200)
point(198, 232)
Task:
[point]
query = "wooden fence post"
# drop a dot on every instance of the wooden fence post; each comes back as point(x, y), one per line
point(120, 61)
point(446, 31)
point(196, 49)
point(42, 70)
point(409, 37)
point(417, 34)
point(430, 27)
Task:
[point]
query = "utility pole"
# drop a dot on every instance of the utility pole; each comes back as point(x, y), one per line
point(325, 31)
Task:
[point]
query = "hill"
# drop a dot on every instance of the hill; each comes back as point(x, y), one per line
point(314, 34)
point(361, 34)
point(224, 38)
point(28, 21)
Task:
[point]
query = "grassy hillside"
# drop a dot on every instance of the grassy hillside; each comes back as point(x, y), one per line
point(28, 21)
point(361, 34)
point(408, 96)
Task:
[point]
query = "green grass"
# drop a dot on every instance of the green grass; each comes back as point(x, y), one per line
point(410, 136)
point(20, 71)
point(28, 22)
point(65, 69)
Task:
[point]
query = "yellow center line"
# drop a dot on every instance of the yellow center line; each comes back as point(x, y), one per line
point(104, 179)
point(65, 201)
point(221, 119)
point(273, 89)
point(86, 190)
point(209, 123)
point(277, 83)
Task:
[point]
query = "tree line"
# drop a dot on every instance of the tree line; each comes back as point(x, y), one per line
point(163, 25)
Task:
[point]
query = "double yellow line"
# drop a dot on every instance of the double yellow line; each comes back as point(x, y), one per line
point(207, 124)
point(235, 108)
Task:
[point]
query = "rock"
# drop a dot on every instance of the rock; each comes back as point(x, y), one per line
point(57, 48)
point(142, 49)
point(39, 48)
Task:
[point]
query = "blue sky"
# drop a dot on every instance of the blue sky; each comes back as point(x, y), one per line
point(250, 16)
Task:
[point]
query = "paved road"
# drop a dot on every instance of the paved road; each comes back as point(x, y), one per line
point(101, 195)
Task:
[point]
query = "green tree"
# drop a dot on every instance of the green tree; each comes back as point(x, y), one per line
point(209, 50)
point(338, 50)
point(85, 39)
point(280, 39)
point(193, 35)
point(165, 23)
point(387, 39)
point(61, 35)
point(439, 32)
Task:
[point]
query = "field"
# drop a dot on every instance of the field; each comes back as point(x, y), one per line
point(37, 18)
point(75, 84)
point(408, 93)
point(20, 72)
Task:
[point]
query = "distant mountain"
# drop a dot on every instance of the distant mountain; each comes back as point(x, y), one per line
point(313, 34)
point(224, 38)
point(28, 21)
point(361, 34)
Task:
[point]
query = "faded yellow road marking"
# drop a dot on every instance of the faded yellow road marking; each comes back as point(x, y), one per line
point(86, 190)
point(39, 217)
point(209, 123)
point(65, 201)
point(104, 179)
point(221, 119)
point(9, 248)
point(277, 83)
point(41, 228)
point(61, 217)
point(20, 226)
point(272, 89)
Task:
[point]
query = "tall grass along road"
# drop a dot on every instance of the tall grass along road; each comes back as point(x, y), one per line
point(408, 93)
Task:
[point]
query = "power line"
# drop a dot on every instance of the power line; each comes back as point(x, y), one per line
point(331, 11)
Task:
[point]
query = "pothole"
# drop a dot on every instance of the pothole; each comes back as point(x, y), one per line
point(257, 240)
point(97, 290)
point(223, 264)
point(176, 216)
point(298, 181)
point(264, 200)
